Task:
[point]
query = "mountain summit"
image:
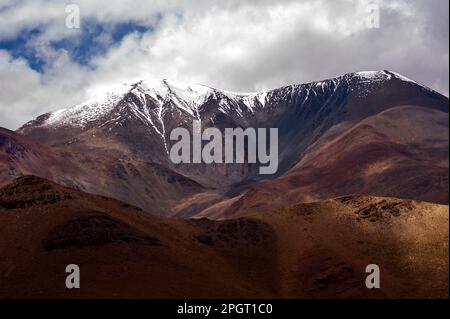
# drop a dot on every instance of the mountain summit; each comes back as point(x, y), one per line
point(159, 95)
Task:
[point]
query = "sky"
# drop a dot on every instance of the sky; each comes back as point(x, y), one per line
point(237, 45)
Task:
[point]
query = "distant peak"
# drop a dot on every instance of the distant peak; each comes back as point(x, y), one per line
point(371, 73)
point(383, 75)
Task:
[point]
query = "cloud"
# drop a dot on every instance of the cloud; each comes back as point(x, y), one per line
point(234, 45)
point(25, 93)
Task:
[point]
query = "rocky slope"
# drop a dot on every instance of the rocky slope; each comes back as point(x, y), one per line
point(316, 250)
point(401, 152)
point(142, 183)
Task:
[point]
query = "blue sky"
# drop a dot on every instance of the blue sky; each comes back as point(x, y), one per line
point(235, 45)
point(93, 39)
point(18, 48)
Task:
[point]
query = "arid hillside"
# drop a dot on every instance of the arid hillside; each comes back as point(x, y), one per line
point(317, 250)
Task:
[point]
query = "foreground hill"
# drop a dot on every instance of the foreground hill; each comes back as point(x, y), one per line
point(312, 250)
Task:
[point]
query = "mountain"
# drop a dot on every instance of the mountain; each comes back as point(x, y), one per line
point(314, 250)
point(368, 133)
point(362, 179)
point(144, 184)
point(20, 155)
point(401, 152)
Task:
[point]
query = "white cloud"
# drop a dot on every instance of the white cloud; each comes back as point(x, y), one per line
point(235, 45)
point(24, 93)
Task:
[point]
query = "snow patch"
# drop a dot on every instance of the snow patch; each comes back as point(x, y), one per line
point(89, 111)
point(375, 76)
point(403, 78)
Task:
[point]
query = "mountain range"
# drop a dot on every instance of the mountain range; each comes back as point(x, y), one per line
point(367, 133)
point(363, 176)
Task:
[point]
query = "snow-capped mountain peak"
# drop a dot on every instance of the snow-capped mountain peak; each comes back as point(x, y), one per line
point(188, 98)
point(383, 75)
point(90, 110)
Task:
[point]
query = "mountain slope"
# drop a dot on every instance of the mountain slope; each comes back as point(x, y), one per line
point(401, 152)
point(317, 250)
point(21, 155)
point(148, 185)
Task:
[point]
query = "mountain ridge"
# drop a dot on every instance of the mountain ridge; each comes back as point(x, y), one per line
point(162, 89)
point(134, 126)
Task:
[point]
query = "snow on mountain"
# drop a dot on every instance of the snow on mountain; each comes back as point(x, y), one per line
point(89, 111)
point(367, 78)
point(188, 98)
point(404, 78)
point(185, 96)
point(373, 76)
point(381, 76)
